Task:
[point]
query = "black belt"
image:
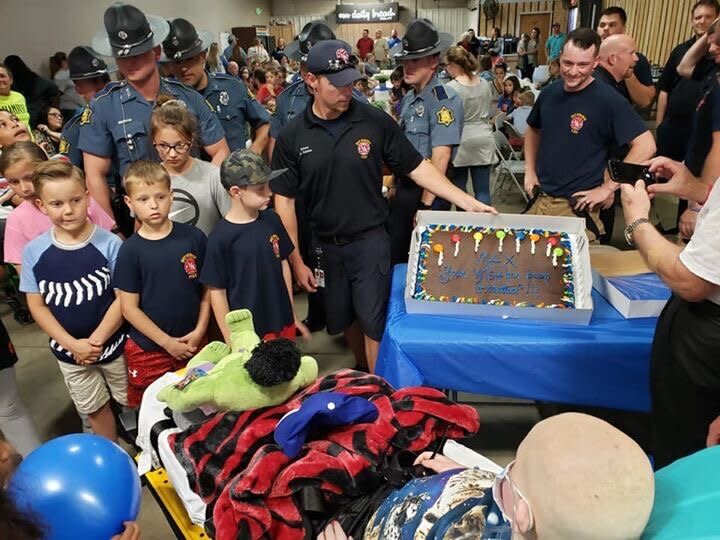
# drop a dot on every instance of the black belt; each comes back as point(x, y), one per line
point(345, 239)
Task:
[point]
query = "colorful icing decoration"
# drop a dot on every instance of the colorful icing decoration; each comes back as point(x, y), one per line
point(560, 245)
point(519, 236)
point(478, 236)
point(534, 237)
point(438, 248)
point(455, 239)
point(551, 243)
point(500, 236)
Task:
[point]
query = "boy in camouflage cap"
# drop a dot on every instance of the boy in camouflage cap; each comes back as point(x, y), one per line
point(246, 261)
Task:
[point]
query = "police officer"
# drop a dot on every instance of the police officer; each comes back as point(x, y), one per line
point(116, 124)
point(432, 118)
point(334, 152)
point(227, 95)
point(90, 74)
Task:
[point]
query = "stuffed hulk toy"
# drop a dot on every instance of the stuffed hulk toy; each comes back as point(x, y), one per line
point(248, 375)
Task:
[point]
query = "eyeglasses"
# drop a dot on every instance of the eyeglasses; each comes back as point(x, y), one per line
point(498, 495)
point(55, 114)
point(180, 148)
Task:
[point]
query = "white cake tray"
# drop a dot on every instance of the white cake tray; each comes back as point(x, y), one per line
point(582, 274)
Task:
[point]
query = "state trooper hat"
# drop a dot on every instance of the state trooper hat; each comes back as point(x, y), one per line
point(421, 39)
point(84, 63)
point(246, 168)
point(129, 32)
point(331, 58)
point(312, 33)
point(184, 41)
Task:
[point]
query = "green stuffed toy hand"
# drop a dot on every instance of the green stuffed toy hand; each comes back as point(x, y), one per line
point(248, 375)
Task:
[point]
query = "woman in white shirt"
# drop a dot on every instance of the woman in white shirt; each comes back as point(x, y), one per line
point(476, 153)
point(257, 53)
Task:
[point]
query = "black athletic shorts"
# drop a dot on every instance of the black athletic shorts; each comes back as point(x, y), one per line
point(357, 283)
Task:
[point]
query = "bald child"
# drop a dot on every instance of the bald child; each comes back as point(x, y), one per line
point(575, 477)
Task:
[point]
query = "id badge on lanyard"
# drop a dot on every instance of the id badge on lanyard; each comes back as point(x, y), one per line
point(319, 265)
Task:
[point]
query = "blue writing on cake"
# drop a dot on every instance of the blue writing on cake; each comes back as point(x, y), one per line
point(448, 274)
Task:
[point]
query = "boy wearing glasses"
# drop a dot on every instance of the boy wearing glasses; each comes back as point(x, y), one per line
point(157, 282)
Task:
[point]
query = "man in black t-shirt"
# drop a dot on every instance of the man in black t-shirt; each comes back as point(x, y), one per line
point(702, 156)
point(571, 130)
point(678, 96)
point(639, 87)
point(334, 153)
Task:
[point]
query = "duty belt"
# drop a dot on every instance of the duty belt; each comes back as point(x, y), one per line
point(345, 239)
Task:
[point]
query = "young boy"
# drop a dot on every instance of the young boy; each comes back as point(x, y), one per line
point(246, 263)
point(66, 273)
point(523, 105)
point(156, 276)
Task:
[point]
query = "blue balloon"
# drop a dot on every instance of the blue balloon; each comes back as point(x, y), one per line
point(79, 486)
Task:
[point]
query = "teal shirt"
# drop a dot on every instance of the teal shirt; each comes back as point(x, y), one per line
point(554, 45)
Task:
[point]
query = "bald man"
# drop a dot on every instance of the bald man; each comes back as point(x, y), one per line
point(640, 87)
point(575, 477)
point(616, 61)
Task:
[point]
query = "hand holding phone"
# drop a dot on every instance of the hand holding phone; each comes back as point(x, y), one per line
point(629, 173)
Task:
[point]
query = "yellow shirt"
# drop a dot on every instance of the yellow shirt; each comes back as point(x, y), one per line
point(15, 103)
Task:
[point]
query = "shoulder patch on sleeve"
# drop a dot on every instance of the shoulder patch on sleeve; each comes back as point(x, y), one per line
point(86, 116)
point(445, 116)
point(439, 92)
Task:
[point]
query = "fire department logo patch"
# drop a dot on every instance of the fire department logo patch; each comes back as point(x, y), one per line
point(577, 121)
point(342, 54)
point(363, 147)
point(189, 261)
point(445, 116)
point(275, 242)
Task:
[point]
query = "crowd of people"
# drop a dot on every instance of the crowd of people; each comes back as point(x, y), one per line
point(140, 212)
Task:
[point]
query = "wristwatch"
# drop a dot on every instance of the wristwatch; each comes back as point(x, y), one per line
point(631, 228)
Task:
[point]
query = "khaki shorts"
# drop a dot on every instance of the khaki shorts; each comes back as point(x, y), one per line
point(88, 385)
point(547, 205)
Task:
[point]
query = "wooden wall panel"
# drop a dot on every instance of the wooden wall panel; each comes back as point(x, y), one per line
point(508, 18)
point(657, 26)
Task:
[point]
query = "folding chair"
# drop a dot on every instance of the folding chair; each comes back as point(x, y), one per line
point(509, 163)
point(514, 136)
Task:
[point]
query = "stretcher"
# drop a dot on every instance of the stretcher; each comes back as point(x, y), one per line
point(167, 498)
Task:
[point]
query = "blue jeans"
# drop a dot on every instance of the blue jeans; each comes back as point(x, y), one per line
point(480, 175)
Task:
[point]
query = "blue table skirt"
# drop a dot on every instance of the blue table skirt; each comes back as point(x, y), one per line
point(604, 364)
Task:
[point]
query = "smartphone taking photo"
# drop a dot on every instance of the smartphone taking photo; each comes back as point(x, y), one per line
point(629, 173)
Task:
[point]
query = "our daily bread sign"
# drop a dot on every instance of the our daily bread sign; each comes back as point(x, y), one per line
point(366, 13)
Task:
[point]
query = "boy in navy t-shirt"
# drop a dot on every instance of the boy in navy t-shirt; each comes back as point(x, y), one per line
point(246, 262)
point(157, 280)
point(66, 274)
